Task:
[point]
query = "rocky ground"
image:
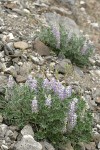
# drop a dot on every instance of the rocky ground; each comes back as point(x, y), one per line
point(21, 54)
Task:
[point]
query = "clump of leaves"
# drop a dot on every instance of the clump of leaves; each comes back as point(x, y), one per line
point(55, 113)
point(77, 49)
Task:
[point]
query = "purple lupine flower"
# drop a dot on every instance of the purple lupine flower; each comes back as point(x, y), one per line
point(72, 116)
point(10, 82)
point(84, 48)
point(32, 83)
point(58, 88)
point(34, 105)
point(56, 33)
point(53, 84)
point(46, 83)
point(48, 101)
point(69, 91)
point(70, 34)
point(62, 93)
point(73, 120)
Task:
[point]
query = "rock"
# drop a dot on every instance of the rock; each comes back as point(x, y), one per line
point(3, 82)
point(0, 66)
point(26, 11)
point(11, 70)
point(3, 130)
point(78, 71)
point(62, 66)
point(81, 144)
point(98, 126)
point(17, 53)
point(9, 49)
point(68, 23)
point(67, 147)
point(97, 100)
point(1, 45)
point(28, 143)
point(21, 45)
point(99, 144)
point(15, 134)
point(96, 137)
point(47, 146)
point(92, 61)
point(25, 68)
point(98, 63)
point(72, 2)
point(10, 36)
point(37, 59)
point(97, 72)
point(27, 130)
point(20, 79)
point(41, 48)
point(1, 54)
point(1, 118)
point(10, 5)
point(4, 147)
point(90, 4)
point(90, 146)
point(96, 117)
point(9, 134)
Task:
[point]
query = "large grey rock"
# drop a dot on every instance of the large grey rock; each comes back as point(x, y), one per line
point(28, 143)
point(67, 147)
point(41, 48)
point(68, 23)
point(25, 68)
point(3, 130)
point(47, 146)
point(67, 1)
point(62, 66)
point(21, 45)
point(27, 130)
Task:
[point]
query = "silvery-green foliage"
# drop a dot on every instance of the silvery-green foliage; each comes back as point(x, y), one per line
point(77, 49)
point(51, 108)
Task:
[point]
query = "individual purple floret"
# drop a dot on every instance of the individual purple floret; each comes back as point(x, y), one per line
point(32, 83)
point(56, 33)
point(34, 105)
point(10, 82)
point(48, 101)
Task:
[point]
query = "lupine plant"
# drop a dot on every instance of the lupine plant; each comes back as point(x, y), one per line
point(74, 47)
point(54, 111)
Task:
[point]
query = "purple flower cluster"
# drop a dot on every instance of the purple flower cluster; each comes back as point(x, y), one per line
point(72, 116)
point(56, 33)
point(10, 82)
point(48, 101)
point(31, 82)
point(34, 105)
point(70, 34)
point(84, 48)
point(58, 88)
